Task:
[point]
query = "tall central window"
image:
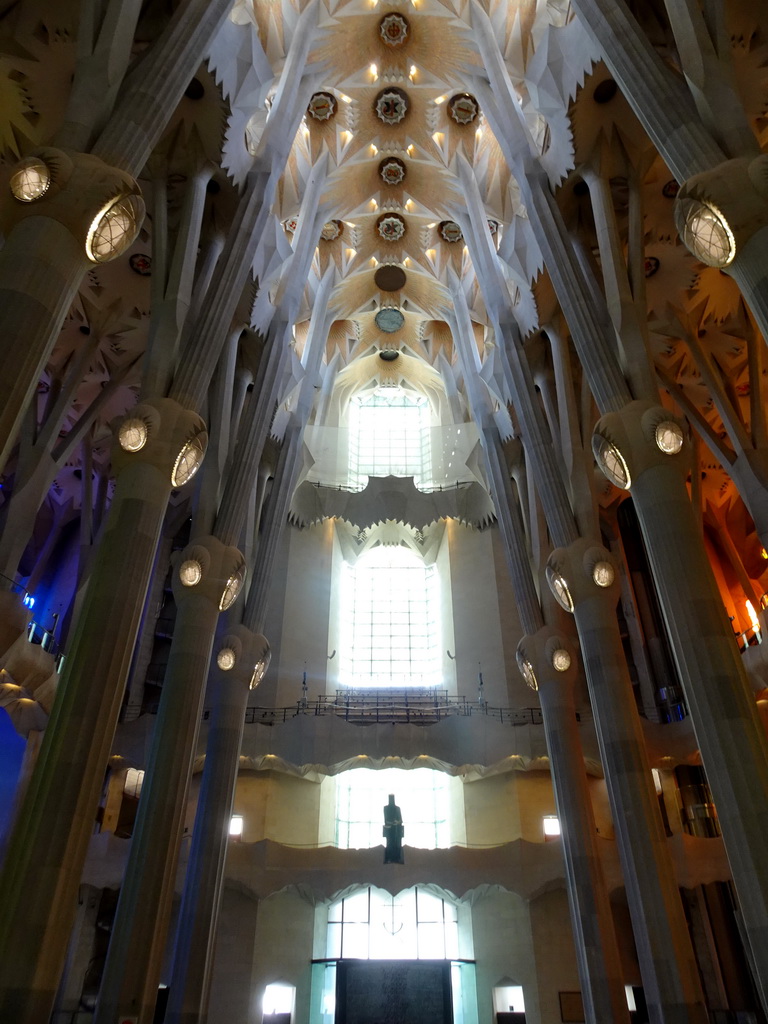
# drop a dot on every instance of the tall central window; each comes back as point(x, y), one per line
point(389, 435)
point(389, 607)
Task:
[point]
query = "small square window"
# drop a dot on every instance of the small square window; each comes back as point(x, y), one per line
point(551, 825)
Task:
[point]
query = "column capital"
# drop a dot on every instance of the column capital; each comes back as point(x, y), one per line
point(639, 437)
point(161, 433)
point(99, 205)
point(243, 656)
point(720, 209)
point(209, 569)
point(547, 659)
point(582, 572)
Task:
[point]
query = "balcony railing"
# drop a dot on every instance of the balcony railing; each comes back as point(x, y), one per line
point(398, 708)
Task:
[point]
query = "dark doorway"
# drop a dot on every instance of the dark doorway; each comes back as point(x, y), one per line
point(393, 992)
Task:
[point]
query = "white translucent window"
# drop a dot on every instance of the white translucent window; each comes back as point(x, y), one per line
point(551, 825)
point(389, 621)
point(509, 999)
point(389, 436)
point(370, 924)
point(422, 794)
point(278, 998)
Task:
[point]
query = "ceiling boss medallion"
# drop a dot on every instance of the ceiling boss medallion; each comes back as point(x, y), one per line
point(463, 108)
point(322, 106)
point(450, 231)
point(391, 105)
point(391, 227)
point(389, 320)
point(392, 171)
point(389, 277)
point(393, 29)
point(331, 230)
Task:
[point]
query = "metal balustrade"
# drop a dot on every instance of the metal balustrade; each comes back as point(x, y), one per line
point(408, 709)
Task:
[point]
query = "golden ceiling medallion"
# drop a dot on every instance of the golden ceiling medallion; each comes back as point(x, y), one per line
point(391, 227)
point(393, 29)
point(450, 231)
point(463, 108)
point(392, 171)
point(322, 106)
point(391, 105)
point(331, 230)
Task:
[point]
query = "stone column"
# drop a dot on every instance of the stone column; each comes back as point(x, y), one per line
point(238, 653)
point(209, 332)
point(690, 596)
point(133, 963)
point(549, 663)
point(242, 659)
point(206, 579)
point(660, 100)
point(41, 874)
point(665, 952)
point(584, 580)
point(275, 516)
point(44, 258)
point(722, 217)
point(544, 655)
point(154, 88)
point(46, 252)
point(666, 110)
point(655, 451)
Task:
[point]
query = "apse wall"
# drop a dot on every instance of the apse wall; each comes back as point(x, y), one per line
point(479, 632)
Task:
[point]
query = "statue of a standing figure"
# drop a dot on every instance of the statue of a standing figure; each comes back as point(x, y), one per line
point(393, 833)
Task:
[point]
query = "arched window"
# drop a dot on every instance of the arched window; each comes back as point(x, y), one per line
point(389, 620)
point(389, 435)
point(421, 923)
point(370, 924)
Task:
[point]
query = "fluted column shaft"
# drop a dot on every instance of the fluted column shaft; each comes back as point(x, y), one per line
point(670, 976)
point(591, 919)
point(715, 687)
point(132, 970)
point(665, 952)
point(276, 514)
point(41, 265)
point(592, 334)
point(196, 933)
point(209, 332)
point(154, 88)
point(41, 873)
point(538, 443)
point(131, 987)
point(512, 533)
point(602, 984)
point(195, 945)
point(172, 285)
point(660, 101)
point(733, 744)
point(750, 272)
point(257, 417)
